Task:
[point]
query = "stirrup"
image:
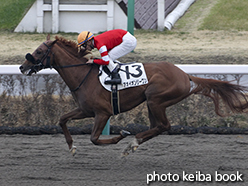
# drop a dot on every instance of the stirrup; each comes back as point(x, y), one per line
point(115, 77)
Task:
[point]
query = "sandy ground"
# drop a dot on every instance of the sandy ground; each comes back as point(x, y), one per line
point(199, 47)
point(43, 160)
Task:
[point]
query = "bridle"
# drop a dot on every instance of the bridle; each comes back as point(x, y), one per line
point(39, 64)
point(46, 56)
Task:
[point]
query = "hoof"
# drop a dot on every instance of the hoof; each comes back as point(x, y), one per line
point(124, 133)
point(124, 154)
point(73, 150)
point(134, 145)
point(134, 148)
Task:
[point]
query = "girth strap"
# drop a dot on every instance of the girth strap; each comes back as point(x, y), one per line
point(115, 99)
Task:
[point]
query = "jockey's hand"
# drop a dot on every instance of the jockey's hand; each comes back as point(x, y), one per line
point(90, 61)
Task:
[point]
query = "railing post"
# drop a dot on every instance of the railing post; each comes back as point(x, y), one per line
point(160, 22)
point(130, 16)
point(55, 16)
point(39, 15)
point(106, 130)
point(110, 15)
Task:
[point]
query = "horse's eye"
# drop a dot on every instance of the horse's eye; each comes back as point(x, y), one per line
point(38, 52)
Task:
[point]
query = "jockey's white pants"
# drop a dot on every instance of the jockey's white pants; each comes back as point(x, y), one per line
point(128, 44)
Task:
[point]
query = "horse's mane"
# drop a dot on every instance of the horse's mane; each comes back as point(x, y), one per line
point(72, 48)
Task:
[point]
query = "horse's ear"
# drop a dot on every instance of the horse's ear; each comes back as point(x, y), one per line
point(48, 36)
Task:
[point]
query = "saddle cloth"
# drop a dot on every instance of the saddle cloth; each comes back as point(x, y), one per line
point(132, 75)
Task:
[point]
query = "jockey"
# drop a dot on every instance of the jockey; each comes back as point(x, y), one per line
point(112, 45)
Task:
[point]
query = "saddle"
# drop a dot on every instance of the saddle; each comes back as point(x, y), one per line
point(132, 74)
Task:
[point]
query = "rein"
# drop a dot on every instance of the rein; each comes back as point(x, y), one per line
point(74, 90)
point(68, 66)
point(77, 65)
point(49, 65)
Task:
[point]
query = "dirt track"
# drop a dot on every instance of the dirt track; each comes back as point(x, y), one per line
point(44, 160)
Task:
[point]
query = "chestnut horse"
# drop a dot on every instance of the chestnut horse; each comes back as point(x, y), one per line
point(167, 85)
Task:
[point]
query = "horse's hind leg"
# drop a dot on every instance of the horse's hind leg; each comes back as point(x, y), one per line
point(75, 114)
point(159, 124)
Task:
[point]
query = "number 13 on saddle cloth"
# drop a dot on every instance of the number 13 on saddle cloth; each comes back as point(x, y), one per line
point(132, 75)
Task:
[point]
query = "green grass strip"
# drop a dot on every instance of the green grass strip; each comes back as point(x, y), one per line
point(227, 15)
point(12, 12)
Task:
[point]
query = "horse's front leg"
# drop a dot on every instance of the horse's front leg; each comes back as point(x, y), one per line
point(75, 114)
point(100, 122)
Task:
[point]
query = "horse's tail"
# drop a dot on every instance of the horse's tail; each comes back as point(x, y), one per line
point(233, 97)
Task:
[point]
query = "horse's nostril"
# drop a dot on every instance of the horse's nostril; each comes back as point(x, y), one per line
point(21, 67)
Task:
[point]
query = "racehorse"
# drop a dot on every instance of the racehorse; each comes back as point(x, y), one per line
point(167, 85)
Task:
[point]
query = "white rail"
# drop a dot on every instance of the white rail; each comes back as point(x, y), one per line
point(190, 69)
point(14, 70)
point(214, 69)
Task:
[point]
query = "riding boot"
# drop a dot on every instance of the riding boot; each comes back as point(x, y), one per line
point(115, 77)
